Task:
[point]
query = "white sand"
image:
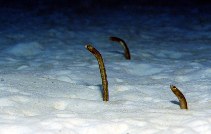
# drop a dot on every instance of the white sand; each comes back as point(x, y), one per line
point(50, 84)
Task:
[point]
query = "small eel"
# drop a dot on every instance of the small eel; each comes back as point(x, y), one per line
point(102, 70)
point(122, 43)
point(180, 96)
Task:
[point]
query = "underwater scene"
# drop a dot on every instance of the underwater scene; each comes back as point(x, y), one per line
point(105, 67)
